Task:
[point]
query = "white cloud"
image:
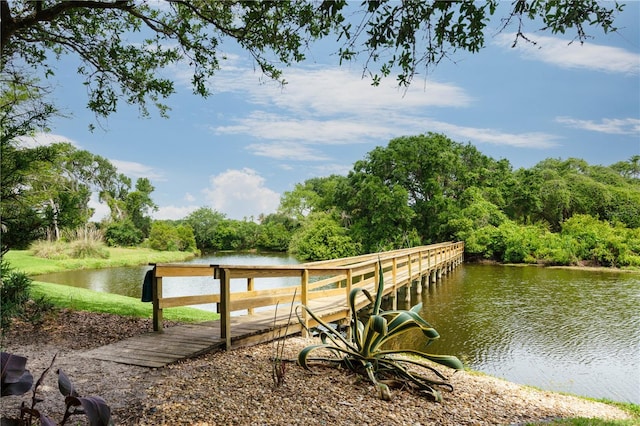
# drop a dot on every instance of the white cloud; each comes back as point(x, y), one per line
point(241, 194)
point(332, 169)
point(286, 150)
point(173, 212)
point(43, 139)
point(336, 91)
point(101, 210)
point(136, 170)
point(615, 126)
point(562, 53)
point(536, 140)
point(335, 106)
point(189, 198)
point(329, 107)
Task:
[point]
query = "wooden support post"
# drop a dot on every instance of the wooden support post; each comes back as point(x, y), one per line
point(406, 292)
point(157, 296)
point(349, 319)
point(250, 286)
point(394, 273)
point(225, 305)
point(304, 299)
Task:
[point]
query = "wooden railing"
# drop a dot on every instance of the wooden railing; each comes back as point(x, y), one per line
point(324, 280)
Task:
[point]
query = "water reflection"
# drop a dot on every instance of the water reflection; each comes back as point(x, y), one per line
point(566, 330)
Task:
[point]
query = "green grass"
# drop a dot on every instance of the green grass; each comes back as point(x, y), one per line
point(581, 421)
point(81, 299)
point(632, 409)
point(23, 260)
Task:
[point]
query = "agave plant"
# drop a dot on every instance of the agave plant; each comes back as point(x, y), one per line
point(365, 352)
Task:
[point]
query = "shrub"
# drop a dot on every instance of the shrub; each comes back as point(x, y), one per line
point(123, 233)
point(49, 250)
point(321, 238)
point(17, 380)
point(14, 294)
point(80, 249)
point(167, 237)
point(365, 352)
point(84, 233)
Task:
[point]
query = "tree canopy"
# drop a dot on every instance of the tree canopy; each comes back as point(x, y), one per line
point(428, 188)
point(123, 45)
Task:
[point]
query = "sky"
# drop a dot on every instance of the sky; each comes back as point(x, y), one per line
point(240, 149)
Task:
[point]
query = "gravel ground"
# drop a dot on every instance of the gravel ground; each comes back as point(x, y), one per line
point(236, 387)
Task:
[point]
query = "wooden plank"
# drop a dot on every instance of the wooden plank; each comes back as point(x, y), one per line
point(184, 270)
point(171, 302)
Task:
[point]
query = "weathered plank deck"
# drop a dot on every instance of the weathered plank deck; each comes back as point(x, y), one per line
point(326, 297)
point(180, 342)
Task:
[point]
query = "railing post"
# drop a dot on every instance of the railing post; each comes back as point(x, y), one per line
point(250, 286)
point(349, 319)
point(225, 313)
point(394, 273)
point(420, 283)
point(157, 296)
point(304, 299)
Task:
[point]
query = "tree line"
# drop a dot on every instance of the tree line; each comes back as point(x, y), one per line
point(427, 188)
point(416, 190)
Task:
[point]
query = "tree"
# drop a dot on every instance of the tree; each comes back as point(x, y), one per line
point(276, 231)
point(204, 222)
point(122, 45)
point(629, 169)
point(24, 110)
point(434, 171)
point(139, 205)
point(166, 236)
point(62, 188)
point(321, 237)
point(314, 195)
point(379, 215)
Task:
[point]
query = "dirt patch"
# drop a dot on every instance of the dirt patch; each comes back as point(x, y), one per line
point(236, 387)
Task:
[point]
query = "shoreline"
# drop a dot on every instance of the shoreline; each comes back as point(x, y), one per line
point(236, 387)
point(122, 257)
point(533, 389)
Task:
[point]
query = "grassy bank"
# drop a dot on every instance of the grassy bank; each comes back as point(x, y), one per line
point(23, 260)
point(81, 299)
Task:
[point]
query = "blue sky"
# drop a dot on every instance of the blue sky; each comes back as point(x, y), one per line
point(240, 149)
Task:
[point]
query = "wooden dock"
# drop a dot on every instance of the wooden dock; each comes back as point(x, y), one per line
point(326, 295)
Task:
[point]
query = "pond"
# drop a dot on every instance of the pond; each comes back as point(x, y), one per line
point(565, 330)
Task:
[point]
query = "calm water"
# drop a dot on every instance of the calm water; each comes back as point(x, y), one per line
point(564, 330)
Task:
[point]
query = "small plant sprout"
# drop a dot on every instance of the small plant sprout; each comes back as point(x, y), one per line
point(279, 363)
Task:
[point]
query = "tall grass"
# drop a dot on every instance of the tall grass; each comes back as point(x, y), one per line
point(80, 243)
point(84, 233)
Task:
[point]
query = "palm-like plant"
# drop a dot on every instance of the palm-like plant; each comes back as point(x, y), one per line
point(365, 352)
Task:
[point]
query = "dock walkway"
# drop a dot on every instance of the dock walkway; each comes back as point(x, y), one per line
point(324, 288)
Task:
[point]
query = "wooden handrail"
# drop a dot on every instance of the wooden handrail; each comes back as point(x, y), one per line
point(317, 280)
